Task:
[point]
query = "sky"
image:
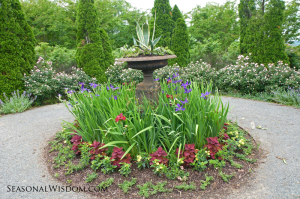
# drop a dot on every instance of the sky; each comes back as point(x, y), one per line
point(184, 5)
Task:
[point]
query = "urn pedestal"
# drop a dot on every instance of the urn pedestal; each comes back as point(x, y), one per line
point(148, 88)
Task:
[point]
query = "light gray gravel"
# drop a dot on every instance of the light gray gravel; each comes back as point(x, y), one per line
point(23, 136)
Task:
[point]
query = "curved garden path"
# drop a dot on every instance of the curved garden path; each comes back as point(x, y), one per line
point(24, 135)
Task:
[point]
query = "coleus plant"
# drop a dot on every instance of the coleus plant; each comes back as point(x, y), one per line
point(116, 156)
point(96, 149)
point(188, 154)
point(213, 146)
point(159, 155)
point(76, 141)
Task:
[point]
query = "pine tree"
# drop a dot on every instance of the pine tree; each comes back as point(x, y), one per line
point(92, 50)
point(16, 47)
point(164, 23)
point(180, 44)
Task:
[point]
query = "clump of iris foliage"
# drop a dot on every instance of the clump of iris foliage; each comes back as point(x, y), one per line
point(185, 113)
point(187, 128)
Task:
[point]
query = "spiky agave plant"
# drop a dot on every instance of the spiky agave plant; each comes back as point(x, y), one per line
point(143, 35)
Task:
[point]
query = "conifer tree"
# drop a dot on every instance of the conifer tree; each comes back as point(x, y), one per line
point(176, 14)
point(16, 47)
point(273, 38)
point(91, 48)
point(109, 59)
point(164, 23)
point(180, 44)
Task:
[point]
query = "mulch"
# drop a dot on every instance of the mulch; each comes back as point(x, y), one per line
point(217, 188)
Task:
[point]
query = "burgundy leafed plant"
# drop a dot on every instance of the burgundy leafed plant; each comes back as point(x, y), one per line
point(188, 153)
point(225, 126)
point(160, 155)
point(169, 96)
point(76, 141)
point(96, 149)
point(117, 154)
point(213, 145)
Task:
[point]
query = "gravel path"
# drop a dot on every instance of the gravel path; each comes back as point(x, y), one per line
point(23, 136)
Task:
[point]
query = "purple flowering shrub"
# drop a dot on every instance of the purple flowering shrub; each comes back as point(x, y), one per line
point(46, 83)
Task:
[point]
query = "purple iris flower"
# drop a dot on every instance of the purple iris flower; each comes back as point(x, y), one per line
point(81, 84)
point(156, 79)
point(59, 95)
point(70, 105)
point(94, 85)
point(97, 95)
point(184, 85)
point(179, 108)
point(70, 92)
point(175, 75)
point(162, 91)
point(176, 88)
point(115, 97)
point(187, 90)
point(204, 95)
point(185, 101)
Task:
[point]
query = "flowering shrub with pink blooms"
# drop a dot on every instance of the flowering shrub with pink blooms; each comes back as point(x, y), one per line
point(45, 83)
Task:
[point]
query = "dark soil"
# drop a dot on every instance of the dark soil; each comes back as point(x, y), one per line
point(217, 189)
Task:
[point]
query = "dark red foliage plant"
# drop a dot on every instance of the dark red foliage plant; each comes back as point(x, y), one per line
point(160, 155)
point(189, 154)
point(116, 156)
point(76, 141)
point(225, 126)
point(96, 149)
point(213, 146)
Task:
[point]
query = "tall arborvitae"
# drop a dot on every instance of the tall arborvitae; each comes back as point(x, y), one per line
point(180, 44)
point(245, 7)
point(261, 32)
point(90, 55)
point(273, 38)
point(109, 59)
point(176, 14)
point(16, 47)
point(164, 23)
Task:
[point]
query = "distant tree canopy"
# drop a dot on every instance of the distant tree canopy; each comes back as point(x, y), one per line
point(16, 47)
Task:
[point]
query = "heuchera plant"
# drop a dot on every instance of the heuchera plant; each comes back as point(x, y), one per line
point(96, 149)
point(213, 145)
point(188, 154)
point(160, 155)
point(116, 156)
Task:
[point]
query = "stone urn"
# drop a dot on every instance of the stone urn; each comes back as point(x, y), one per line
point(148, 88)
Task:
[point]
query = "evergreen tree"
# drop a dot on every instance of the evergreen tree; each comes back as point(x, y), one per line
point(16, 47)
point(273, 38)
point(109, 59)
point(180, 44)
point(164, 23)
point(90, 55)
point(176, 14)
point(245, 7)
point(261, 30)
